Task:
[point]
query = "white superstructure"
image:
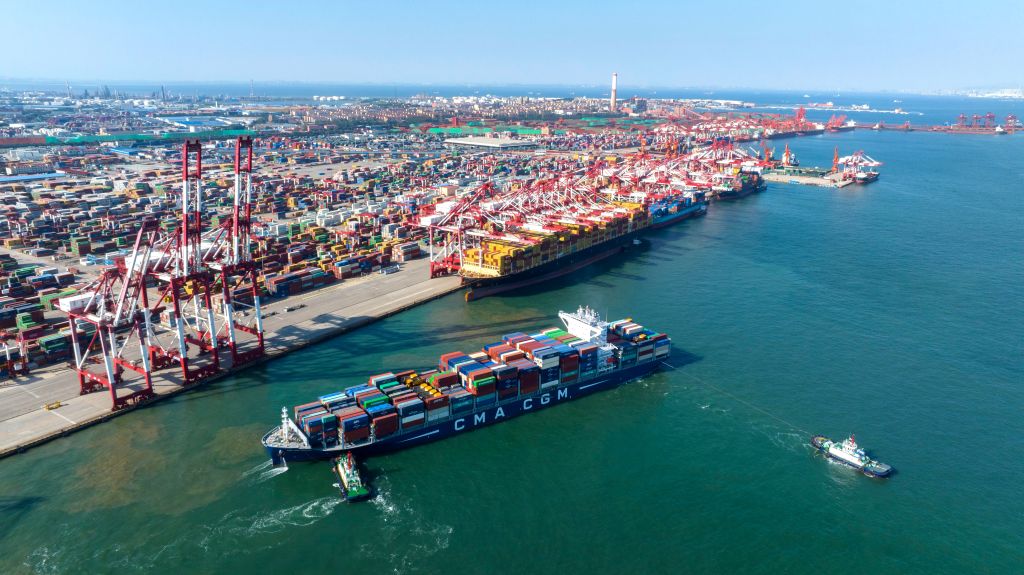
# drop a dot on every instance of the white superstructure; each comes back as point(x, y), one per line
point(849, 452)
point(585, 324)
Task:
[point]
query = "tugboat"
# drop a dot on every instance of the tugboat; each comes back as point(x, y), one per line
point(849, 453)
point(351, 485)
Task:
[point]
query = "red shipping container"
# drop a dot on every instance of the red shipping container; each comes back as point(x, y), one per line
point(478, 374)
point(385, 425)
point(529, 378)
point(511, 356)
point(496, 351)
point(356, 435)
point(305, 406)
point(529, 387)
point(436, 402)
point(451, 355)
point(569, 362)
point(506, 393)
point(529, 346)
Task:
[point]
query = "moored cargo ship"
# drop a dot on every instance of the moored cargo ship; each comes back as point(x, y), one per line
point(675, 208)
point(740, 186)
point(537, 251)
point(500, 266)
point(519, 374)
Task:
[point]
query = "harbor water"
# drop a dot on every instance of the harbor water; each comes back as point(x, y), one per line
point(892, 311)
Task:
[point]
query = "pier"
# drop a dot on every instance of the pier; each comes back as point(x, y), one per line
point(324, 313)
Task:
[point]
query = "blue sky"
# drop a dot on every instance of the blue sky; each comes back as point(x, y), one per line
point(861, 45)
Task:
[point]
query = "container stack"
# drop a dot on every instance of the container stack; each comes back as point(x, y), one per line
point(406, 252)
point(518, 365)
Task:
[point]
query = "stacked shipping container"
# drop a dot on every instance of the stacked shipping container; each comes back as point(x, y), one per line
point(518, 365)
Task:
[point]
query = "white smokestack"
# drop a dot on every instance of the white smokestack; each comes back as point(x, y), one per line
point(615, 86)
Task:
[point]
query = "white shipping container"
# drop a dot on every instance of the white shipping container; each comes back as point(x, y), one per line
point(74, 303)
point(444, 207)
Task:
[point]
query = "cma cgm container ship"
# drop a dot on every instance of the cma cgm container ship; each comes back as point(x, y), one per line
point(520, 374)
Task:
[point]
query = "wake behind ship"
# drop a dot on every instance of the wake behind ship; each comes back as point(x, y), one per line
point(519, 374)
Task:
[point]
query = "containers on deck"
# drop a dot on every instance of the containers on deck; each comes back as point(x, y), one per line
point(518, 365)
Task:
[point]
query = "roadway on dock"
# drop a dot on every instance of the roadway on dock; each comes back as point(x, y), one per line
point(327, 311)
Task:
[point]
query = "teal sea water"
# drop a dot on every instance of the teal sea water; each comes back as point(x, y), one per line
point(893, 311)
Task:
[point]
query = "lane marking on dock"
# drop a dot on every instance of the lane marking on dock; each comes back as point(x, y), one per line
point(71, 421)
point(19, 387)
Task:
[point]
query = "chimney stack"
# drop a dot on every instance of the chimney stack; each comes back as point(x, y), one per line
point(615, 85)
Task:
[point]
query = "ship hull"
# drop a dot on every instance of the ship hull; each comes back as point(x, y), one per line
point(698, 209)
point(461, 423)
point(781, 135)
point(484, 287)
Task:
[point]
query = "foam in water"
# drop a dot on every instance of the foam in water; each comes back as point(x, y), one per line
point(261, 467)
point(270, 474)
point(300, 515)
point(263, 472)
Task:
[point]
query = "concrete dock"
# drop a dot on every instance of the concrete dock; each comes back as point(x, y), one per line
point(327, 312)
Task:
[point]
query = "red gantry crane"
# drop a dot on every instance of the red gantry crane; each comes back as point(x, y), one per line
point(199, 279)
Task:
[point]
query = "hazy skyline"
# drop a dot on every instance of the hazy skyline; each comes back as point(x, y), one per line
point(916, 45)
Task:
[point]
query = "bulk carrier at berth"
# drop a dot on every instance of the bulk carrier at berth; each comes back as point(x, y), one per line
point(519, 374)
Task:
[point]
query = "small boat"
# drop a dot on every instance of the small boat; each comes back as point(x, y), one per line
point(349, 481)
point(849, 453)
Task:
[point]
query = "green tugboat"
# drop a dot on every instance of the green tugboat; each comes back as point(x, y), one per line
point(349, 481)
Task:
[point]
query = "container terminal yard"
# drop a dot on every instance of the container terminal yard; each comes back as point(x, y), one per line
point(153, 244)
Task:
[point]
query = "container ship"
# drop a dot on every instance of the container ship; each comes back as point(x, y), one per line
point(541, 252)
point(740, 186)
point(519, 374)
point(532, 252)
point(675, 208)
